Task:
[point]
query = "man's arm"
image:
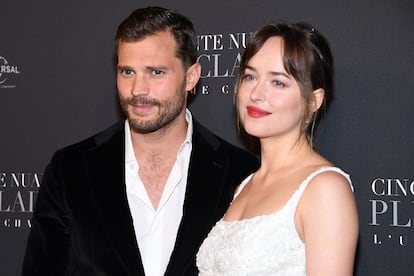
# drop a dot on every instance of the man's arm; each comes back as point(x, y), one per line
point(48, 247)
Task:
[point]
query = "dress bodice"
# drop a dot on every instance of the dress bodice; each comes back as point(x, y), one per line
point(262, 245)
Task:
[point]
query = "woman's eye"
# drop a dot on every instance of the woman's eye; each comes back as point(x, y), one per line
point(248, 77)
point(279, 83)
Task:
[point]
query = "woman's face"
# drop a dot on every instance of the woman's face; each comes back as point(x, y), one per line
point(270, 102)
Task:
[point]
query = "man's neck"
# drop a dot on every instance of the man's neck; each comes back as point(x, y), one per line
point(156, 154)
point(168, 139)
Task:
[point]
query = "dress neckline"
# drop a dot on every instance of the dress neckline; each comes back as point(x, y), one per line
point(306, 180)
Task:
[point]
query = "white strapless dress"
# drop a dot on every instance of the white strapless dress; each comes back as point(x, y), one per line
point(258, 246)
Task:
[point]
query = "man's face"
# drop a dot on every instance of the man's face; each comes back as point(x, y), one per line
point(151, 82)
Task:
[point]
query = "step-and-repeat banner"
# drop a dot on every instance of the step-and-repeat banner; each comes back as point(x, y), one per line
point(57, 86)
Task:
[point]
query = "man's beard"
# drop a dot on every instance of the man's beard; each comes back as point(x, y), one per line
point(168, 111)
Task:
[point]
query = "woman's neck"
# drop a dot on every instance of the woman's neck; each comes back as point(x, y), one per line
point(277, 155)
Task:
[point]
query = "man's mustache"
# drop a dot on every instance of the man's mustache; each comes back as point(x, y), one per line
point(142, 100)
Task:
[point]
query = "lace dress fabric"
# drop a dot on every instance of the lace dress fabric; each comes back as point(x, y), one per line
point(263, 245)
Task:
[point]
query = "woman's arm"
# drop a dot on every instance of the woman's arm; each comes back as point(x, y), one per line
point(327, 221)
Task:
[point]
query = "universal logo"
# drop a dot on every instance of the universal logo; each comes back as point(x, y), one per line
point(392, 209)
point(7, 70)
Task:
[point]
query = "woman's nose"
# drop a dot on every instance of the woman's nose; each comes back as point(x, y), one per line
point(257, 92)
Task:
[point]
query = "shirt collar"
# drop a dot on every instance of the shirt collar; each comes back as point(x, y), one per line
point(129, 149)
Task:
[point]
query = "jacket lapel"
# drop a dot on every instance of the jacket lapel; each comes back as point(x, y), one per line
point(107, 179)
point(203, 193)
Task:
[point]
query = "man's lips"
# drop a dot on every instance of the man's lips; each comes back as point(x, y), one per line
point(143, 105)
point(142, 108)
point(255, 112)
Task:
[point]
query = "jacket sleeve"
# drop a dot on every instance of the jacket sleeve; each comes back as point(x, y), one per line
point(49, 243)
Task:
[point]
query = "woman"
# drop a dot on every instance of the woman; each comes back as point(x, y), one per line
point(296, 215)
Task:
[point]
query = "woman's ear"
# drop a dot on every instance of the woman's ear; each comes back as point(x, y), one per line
point(318, 99)
point(192, 76)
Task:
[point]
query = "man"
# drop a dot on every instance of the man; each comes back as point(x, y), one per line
point(139, 197)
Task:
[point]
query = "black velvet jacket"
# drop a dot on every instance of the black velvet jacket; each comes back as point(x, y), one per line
point(82, 224)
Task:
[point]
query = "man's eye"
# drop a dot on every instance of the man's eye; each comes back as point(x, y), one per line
point(157, 72)
point(127, 72)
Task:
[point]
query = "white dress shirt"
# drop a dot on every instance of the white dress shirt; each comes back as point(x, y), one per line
point(156, 229)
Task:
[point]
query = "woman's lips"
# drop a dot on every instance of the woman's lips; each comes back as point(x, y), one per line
point(255, 112)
